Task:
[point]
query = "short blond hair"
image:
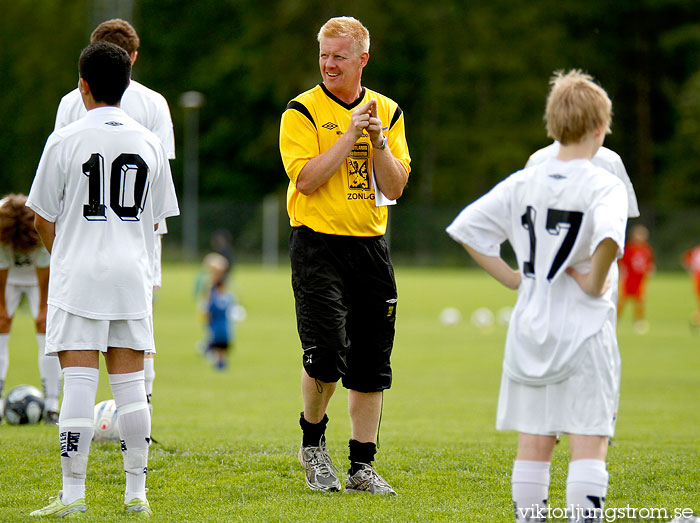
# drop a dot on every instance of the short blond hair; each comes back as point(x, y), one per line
point(576, 106)
point(346, 26)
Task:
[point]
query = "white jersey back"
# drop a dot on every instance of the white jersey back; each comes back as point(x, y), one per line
point(22, 266)
point(605, 158)
point(146, 106)
point(554, 215)
point(105, 181)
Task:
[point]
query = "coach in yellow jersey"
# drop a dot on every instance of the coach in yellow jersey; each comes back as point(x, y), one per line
point(344, 149)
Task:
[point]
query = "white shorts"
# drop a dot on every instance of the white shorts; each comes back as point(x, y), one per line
point(66, 331)
point(584, 403)
point(13, 295)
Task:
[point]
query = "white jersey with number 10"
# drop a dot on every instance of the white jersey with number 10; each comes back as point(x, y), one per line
point(554, 215)
point(105, 181)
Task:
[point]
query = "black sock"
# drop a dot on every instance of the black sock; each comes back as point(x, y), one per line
point(360, 453)
point(313, 432)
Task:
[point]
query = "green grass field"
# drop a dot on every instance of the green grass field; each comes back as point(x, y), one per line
point(228, 440)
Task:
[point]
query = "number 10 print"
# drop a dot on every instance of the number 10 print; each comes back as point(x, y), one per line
point(122, 174)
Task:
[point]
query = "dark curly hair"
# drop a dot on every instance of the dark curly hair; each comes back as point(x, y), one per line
point(17, 224)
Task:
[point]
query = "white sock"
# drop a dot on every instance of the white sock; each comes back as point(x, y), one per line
point(50, 372)
point(134, 429)
point(149, 375)
point(75, 428)
point(4, 358)
point(586, 487)
point(530, 483)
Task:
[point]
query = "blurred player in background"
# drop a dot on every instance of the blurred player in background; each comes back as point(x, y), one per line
point(691, 261)
point(144, 105)
point(24, 271)
point(222, 242)
point(605, 158)
point(635, 266)
point(219, 310)
point(344, 149)
point(565, 219)
point(102, 185)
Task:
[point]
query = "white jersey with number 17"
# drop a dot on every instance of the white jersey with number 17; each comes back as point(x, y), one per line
point(554, 215)
point(105, 181)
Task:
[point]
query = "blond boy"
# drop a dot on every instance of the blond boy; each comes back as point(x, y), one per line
point(565, 219)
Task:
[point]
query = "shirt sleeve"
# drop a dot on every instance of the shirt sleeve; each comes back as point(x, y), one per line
point(6, 257)
point(49, 182)
point(42, 258)
point(61, 116)
point(482, 225)
point(164, 199)
point(396, 139)
point(163, 127)
point(70, 109)
point(610, 217)
point(298, 140)
point(620, 171)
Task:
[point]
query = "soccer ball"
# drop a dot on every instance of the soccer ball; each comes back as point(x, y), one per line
point(482, 318)
point(504, 315)
point(106, 421)
point(238, 313)
point(24, 404)
point(686, 519)
point(450, 316)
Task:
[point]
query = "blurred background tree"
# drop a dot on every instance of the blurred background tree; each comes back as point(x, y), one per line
point(471, 78)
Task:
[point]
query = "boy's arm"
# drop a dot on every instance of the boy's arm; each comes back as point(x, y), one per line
point(497, 268)
point(596, 282)
point(5, 319)
point(42, 275)
point(46, 230)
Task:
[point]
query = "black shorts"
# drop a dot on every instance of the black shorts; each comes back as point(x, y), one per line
point(345, 296)
point(221, 345)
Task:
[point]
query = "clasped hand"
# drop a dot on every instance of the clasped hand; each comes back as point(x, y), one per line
point(364, 117)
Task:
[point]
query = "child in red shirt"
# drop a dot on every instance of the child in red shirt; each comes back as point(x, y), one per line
point(691, 261)
point(636, 264)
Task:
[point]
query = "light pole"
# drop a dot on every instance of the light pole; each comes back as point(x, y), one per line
point(191, 101)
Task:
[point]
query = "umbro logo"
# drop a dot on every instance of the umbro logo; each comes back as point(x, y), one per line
point(557, 176)
point(114, 124)
point(330, 126)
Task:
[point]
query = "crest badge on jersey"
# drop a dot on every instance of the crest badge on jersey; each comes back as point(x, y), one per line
point(358, 168)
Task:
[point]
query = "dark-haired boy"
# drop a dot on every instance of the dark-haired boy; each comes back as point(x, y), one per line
point(102, 184)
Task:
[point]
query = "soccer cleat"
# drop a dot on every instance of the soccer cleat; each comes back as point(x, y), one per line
point(139, 508)
point(58, 509)
point(319, 468)
point(367, 480)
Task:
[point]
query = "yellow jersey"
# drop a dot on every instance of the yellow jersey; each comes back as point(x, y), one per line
point(345, 204)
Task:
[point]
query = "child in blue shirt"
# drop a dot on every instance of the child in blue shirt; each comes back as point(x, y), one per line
point(219, 310)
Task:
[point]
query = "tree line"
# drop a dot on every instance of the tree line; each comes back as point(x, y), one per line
point(471, 78)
